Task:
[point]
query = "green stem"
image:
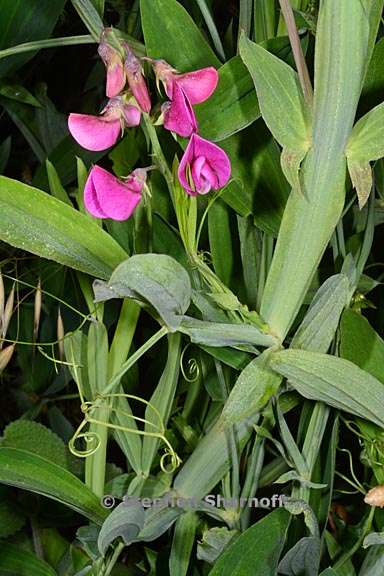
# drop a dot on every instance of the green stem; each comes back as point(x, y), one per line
point(134, 358)
point(157, 152)
point(114, 558)
point(298, 55)
point(347, 555)
point(49, 43)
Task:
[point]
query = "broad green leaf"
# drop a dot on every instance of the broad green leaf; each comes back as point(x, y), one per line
point(36, 474)
point(25, 22)
point(233, 105)
point(373, 539)
point(257, 550)
point(332, 380)
point(302, 558)
point(252, 391)
point(373, 564)
point(16, 561)
point(12, 518)
point(171, 34)
point(126, 521)
point(213, 543)
point(223, 334)
point(322, 319)
point(374, 79)
point(365, 144)
point(154, 279)
point(282, 105)
point(182, 544)
point(41, 224)
point(361, 344)
point(310, 219)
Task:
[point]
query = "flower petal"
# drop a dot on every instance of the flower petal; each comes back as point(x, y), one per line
point(137, 82)
point(116, 199)
point(91, 201)
point(179, 116)
point(132, 115)
point(198, 85)
point(94, 132)
point(216, 158)
point(185, 167)
point(115, 79)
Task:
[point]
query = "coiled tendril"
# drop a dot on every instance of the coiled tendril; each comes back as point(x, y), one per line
point(191, 370)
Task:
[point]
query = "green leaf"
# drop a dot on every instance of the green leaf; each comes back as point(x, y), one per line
point(222, 334)
point(233, 105)
point(220, 240)
point(11, 518)
point(302, 558)
point(319, 326)
point(182, 544)
point(361, 344)
point(373, 539)
point(14, 560)
point(265, 539)
point(41, 224)
point(49, 43)
point(19, 93)
point(365, 144)
point(36, 474)
point(25, 22)
point(252, 390)
point(332, 380)
point(90, 16)
point(258, 187)
point(281, 103)
point(213, 543)
point(171, 34)
point(36, 438)
point(154, 279)
point(126, 521)
point(56, 188)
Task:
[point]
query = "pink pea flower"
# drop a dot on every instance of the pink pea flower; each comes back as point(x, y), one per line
point(105, 196)
point(137, 84)
point(198, 86)
point(204, 167)
point(115, 67)
point(101, 132)
point(179, 116)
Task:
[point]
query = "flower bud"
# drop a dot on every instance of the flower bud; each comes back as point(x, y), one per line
point(137, 84)
point(114, 63)
point(375, 497)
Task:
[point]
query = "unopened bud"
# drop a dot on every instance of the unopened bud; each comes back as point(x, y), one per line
point(5, 356)
point(375, 497)
point(136, 81)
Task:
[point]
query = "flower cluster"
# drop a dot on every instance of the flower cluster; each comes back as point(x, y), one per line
point(204, 165)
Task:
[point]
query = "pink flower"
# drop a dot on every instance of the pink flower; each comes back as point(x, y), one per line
point(115, 68)
point(105, 196)
point(197, 86)
point(101, 132)
point(203, 167)
point(179, 116)
point(136, 80)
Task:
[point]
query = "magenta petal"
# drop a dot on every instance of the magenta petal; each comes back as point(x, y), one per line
point(116, 199)
point(215, 157)
point(132, 115)
point(184, 167)
point(94, 132)
point(179, 116)
point(198, 85)
point(115, 79)
point(203, 166)
point(91, 201)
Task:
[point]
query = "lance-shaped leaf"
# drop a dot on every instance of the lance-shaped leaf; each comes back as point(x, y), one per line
point(254, 387)
point(154, 279)
point(320, 323)
point(32, 472)
point(365, 145)
point(15, 560)
point(223, 334)
point(332, 380)
point(41, 224)
point(282, 105)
